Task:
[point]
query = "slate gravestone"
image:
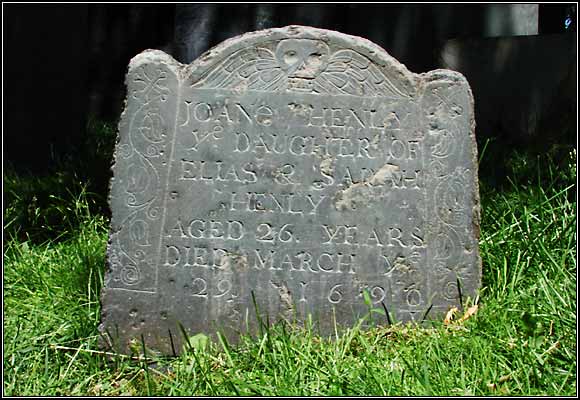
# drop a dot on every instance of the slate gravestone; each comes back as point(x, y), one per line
point(296, 167)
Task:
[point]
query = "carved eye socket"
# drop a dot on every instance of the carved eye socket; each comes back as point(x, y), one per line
point(314, 60)
point(291, 57)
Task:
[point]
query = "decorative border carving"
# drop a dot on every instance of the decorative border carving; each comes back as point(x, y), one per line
point(453, 256)
point(140, 163)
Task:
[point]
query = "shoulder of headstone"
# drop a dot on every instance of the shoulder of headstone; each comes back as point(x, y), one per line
point(444, 75)
point(151, 56)
point(448, 76)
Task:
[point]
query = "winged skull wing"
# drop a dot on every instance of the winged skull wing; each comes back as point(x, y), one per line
point(349, 72)
point(253, 68)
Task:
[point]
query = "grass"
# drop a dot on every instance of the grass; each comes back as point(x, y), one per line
point(521, 340)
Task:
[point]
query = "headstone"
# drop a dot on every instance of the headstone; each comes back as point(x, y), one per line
point(286, 173)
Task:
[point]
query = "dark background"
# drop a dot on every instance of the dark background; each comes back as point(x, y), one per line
point(64, 64)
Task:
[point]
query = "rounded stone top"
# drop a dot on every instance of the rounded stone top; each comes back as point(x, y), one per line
point(366, 53)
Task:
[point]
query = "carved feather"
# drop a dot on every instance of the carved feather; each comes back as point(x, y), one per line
point(349, 72)
point(252, 68)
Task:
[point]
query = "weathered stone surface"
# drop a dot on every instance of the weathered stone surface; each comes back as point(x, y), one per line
point(294, 166)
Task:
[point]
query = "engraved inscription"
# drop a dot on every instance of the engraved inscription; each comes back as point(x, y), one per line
point(289, 173)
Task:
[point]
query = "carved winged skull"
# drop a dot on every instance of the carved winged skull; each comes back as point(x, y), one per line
point(304, 65)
